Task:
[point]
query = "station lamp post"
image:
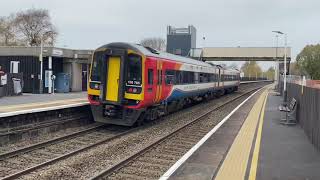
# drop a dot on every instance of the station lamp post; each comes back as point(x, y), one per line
point(276, 69)
point(285, 65)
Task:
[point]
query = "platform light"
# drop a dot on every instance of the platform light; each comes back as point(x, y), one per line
point(285, 66)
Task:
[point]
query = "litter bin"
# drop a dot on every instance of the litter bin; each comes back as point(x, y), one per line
point(17, 87)
point(1, 91)
point(62, 83)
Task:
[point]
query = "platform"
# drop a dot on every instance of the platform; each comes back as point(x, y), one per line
point(31, 103)
point(252, 144)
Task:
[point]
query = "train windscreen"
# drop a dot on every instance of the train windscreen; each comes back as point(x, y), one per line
point(95, 68)
point(134, 70)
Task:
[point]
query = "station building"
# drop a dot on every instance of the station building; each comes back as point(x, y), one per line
point(181, 40)
point(26, 60)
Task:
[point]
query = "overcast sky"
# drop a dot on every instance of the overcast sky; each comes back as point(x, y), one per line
point(225, 23)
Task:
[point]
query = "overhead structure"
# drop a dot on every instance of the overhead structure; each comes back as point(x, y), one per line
point(181, 40)
point(240, 53)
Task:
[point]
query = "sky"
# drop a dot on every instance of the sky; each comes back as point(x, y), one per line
point(88, 24)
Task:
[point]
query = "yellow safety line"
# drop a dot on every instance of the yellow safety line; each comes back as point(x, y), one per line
point(255, 157)
point(40, 104)
point(235, 164)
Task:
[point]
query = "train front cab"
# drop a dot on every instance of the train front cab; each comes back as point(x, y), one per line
point(116, 86)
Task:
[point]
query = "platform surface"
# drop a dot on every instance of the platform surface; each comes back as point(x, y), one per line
point(253, 144)
point(29, 103)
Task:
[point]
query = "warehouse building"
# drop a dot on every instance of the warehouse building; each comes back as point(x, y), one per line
point(56, 61)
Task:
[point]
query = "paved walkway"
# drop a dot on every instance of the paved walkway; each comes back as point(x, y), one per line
point(36, 98)
point(31, 103)
point(260, 148)
point(286, 152)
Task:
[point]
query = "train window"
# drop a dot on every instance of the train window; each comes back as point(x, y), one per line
point(150, 76)
point(203, 77)
point(207, 77)
point(95, 66)
point(191, 77)
point(185, 78)
point(169, 77)
point(178, 77)
point(188, 77)
point(212, 78)
point(134, 69)
point(196, 77)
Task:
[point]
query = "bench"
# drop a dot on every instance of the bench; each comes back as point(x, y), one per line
point(290, 112)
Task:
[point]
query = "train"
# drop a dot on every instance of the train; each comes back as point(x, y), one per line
point(130, 84)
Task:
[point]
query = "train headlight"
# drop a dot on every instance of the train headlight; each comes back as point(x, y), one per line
point(94, 85)
point(134, 90)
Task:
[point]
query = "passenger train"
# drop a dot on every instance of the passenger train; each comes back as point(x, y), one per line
point(130, 83)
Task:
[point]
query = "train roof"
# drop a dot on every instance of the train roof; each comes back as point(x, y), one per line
point(154, 53)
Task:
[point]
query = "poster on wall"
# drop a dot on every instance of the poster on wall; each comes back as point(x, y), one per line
point(3, 79)
point(46, 78)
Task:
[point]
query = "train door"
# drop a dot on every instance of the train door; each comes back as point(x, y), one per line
point(216, 72)
point(222, 76)
point(151, 85)
point(113, 76)
point(219, 77)
point(159, 82)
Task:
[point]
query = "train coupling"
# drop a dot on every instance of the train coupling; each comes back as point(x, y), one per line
point(111, 111)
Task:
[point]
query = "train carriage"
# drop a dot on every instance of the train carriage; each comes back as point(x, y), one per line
point(130, 83)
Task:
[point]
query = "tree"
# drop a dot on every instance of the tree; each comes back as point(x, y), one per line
point(155, 43)
point(295, 69)
point(270, 73)
point(7, 31)
point(251, 69)
point(309, 60)
point(34, 24)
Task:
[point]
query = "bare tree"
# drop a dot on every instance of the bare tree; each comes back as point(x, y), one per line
point(34, 24)
point(155, 43)
point(7, 31)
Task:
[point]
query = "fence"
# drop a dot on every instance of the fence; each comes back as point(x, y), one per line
point(307, 95)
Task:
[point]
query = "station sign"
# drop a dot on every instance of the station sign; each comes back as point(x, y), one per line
point(57, 52)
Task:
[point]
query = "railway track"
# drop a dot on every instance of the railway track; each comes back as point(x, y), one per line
point(42, 154)
point(149, 162)
point(33, 125)
point(35, 159)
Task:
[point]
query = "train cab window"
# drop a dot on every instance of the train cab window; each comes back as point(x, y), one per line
point(134, 70)
point(169, 77)
point(95, 66)
point(150, 76)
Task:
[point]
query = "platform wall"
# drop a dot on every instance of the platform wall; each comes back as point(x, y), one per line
point(308, 110)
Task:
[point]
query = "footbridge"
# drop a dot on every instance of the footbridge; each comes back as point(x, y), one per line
point(241, 53)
